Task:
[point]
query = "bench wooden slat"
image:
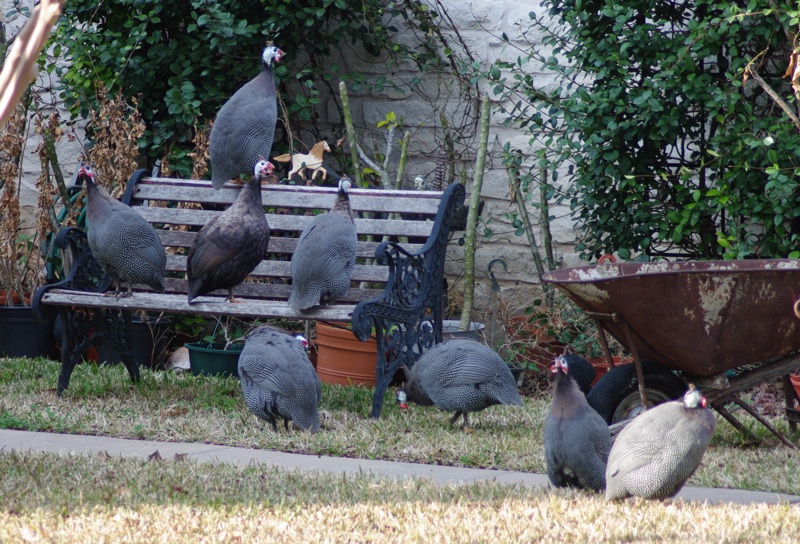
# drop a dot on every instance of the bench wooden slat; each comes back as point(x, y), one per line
point(277, 244)
point(281, 269)
point(288, 223)
point(270, 291)
point(289, 196)
point(208, 305)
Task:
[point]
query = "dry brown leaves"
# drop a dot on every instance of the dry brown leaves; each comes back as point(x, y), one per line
point(115, 128)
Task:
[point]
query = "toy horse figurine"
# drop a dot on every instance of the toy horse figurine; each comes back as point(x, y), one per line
point(312, 161)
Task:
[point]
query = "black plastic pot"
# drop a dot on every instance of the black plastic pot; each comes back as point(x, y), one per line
point(21, 335)
point(150, 343)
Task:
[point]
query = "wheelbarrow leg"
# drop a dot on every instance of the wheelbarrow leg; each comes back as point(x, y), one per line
point(638, 365)
point(719, 407)
point(747, 408)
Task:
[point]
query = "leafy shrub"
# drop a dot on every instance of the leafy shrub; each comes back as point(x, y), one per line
point(663, 121)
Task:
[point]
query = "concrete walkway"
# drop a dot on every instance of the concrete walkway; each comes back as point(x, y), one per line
point(209, 453)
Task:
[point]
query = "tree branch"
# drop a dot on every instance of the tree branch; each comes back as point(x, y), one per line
point(774, 95)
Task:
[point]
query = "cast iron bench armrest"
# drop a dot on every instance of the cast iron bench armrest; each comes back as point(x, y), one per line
point(85, 272)
point(407, 317)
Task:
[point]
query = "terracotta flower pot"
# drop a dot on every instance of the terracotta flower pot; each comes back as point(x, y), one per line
point(343, 359)
point(16, 299)
point(795, 379)
point(601, 365)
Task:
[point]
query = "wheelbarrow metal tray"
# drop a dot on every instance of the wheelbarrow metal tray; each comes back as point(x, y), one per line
point(700, 317)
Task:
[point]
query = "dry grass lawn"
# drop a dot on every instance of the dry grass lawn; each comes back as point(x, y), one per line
point(99, 498)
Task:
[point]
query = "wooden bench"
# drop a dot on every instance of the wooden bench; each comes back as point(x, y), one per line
point(396, 290)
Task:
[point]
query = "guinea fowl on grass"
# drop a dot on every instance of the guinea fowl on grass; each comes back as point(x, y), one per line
point(124, 243)
point(658, 451)
point(576, 439)
point(323, 261)
point(232, 244)
point(460, 376)
point(278, 380)
point(244, 128)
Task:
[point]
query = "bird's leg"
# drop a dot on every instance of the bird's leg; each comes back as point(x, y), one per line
point(127, 294)
point(286, 423)
point(274, 426)
point(230, 297)
point(114, 293)
point(455, 418)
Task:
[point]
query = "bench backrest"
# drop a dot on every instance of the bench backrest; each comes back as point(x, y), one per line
point(179, 208)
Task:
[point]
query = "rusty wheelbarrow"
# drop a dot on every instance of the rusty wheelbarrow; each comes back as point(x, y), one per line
point(700, 320)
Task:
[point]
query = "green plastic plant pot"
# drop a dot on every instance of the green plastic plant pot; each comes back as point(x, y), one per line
point(213, 360)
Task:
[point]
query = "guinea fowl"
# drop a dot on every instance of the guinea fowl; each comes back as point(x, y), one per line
point(244, 128)
point(323, 260)
point(576, 438)
point(581, 371)
point(658, 451)
point(278, 380)
point(232, 244)
point(124, 243)
point(460, 375)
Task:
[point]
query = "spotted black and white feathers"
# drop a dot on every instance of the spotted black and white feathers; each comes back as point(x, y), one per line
point(232, 244)
point(124, 243)
point(460, 376)
point(278, 380)
point(658, 451)
point(244, 128)
point(576, 439)
point(323, 261)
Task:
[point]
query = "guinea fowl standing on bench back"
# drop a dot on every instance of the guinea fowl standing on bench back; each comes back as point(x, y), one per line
point(124, 243)
point(461, 376)
point(232, 244)
point(244, 128)
point(658, 451)
point(576, 438)
point(278, 379)
point(323, 260)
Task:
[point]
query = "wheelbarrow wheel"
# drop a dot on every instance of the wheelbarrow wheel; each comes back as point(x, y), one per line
point(616, 397)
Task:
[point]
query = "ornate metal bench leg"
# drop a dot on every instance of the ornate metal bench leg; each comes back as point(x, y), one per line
point(127, 354)
point(74, 342)
point(382, 379)
point(113, 328)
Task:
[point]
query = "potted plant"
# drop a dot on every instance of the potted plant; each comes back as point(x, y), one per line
point(217, 354)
